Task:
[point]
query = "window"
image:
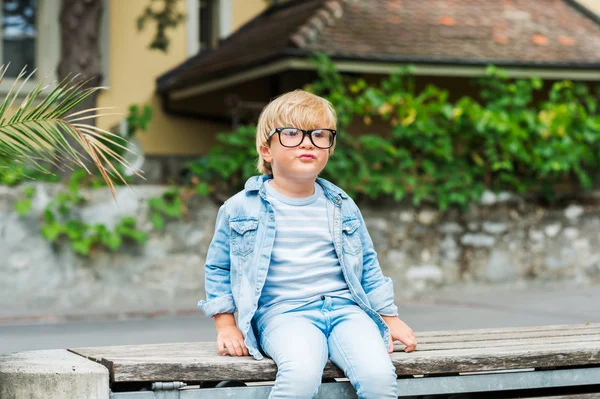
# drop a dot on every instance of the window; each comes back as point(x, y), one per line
point(19, 32)
point(208, 21)
point(30, 36)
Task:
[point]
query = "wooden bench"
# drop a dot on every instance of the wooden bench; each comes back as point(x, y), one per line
point(486, 363)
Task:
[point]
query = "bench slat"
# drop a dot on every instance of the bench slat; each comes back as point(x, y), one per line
point(423, 345)
point(200, 361)
point(559, 329)
point(209, 350)
point(582, 334)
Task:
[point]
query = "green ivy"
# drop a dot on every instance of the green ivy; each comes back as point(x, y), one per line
point(169, 205)
point(16, 173)
point(229, 163)
point(59, 221)
point(23, 207)
point(517, 135)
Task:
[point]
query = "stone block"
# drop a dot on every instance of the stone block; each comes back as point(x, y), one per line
point(500, 267)
point(477, 240)
point(573, 212)
point(51, 374)
point(495, 227)
point(429, 273)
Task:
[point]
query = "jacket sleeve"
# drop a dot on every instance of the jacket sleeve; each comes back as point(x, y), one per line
point(219, 298)
point(379, 289)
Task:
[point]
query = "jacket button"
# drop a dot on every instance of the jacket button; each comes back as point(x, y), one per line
point(271, 217)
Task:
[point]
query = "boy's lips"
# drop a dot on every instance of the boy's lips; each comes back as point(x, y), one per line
point(307, 156)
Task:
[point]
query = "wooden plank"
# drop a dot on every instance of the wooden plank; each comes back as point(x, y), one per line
point(200, 361)
point(423, 345)
point(505, 336)
point(478, 331)
point(209, 349)
point(494, 359)
point(495, 337)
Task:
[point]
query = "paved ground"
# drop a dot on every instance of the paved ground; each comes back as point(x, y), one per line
point(454, 308)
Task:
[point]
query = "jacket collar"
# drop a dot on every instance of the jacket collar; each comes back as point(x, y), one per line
point(256, 183)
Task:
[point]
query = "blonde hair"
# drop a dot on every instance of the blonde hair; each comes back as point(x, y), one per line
point(296, 108)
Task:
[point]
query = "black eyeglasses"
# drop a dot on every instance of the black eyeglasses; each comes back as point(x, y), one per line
point(292, 136)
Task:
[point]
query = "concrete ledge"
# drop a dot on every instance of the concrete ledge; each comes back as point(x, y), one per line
point(51, 374)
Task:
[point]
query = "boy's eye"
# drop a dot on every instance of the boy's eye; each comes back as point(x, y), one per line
point(290, 132)
point(318, 134)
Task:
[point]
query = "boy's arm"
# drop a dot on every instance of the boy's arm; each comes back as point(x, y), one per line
point(219, 298)
point(379, 289)
point(219, 302)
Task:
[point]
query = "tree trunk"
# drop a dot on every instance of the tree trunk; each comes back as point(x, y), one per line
point(80, 44)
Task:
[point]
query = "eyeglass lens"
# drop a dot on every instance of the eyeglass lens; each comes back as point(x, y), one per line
point(292, 137)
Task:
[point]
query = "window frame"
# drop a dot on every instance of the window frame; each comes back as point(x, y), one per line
point(47, 47)
point(222, 9)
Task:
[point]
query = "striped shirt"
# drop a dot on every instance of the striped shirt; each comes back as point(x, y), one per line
point(304, 265)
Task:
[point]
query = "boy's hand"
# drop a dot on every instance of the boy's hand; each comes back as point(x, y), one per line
point(399, 331)
point(232, 339)
point(229, 337)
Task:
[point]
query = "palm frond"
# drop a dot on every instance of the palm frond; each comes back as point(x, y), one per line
point(42, 129)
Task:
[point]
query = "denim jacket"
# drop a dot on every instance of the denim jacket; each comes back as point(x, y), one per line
point(239, 254)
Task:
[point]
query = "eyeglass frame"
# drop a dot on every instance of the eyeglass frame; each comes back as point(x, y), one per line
point(304, 134)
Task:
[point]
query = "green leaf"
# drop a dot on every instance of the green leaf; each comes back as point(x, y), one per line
point(138, 236)
point(203, 188)
point(82, 246)
point(29, 192)
point(52, 231)
point(157, 220)
point(129, 221)
point(23, 207)
point(111, 239)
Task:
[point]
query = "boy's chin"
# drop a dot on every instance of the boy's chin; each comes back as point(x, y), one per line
point(304, 173)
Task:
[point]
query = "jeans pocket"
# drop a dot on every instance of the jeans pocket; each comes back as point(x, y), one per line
point(243, 235)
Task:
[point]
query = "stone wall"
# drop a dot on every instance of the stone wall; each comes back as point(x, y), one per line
point(165, 273)
point(505, 239)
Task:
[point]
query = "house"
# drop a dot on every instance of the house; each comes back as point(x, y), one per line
point(230, 57)
point(448, 42)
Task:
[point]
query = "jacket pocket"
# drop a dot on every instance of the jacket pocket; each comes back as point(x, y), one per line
point(243, 235)
point(351, 243)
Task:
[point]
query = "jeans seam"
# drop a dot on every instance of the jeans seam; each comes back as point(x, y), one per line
point(350, 367)
point(266, 340)
point(263, 342)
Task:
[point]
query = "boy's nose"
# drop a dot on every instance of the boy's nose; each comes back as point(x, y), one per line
point(306, 142)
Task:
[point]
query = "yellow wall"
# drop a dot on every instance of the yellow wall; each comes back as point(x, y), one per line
point(592, 5)
point(244, 10)
point(133, 70)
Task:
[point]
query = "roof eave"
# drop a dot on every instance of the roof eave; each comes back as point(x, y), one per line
point(299, 60)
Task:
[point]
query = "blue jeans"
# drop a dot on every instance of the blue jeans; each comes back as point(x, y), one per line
point(300, 342)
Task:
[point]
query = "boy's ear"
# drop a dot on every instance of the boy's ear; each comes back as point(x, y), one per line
point(266, 153)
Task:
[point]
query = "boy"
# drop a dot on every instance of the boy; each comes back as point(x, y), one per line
point(292, 255)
